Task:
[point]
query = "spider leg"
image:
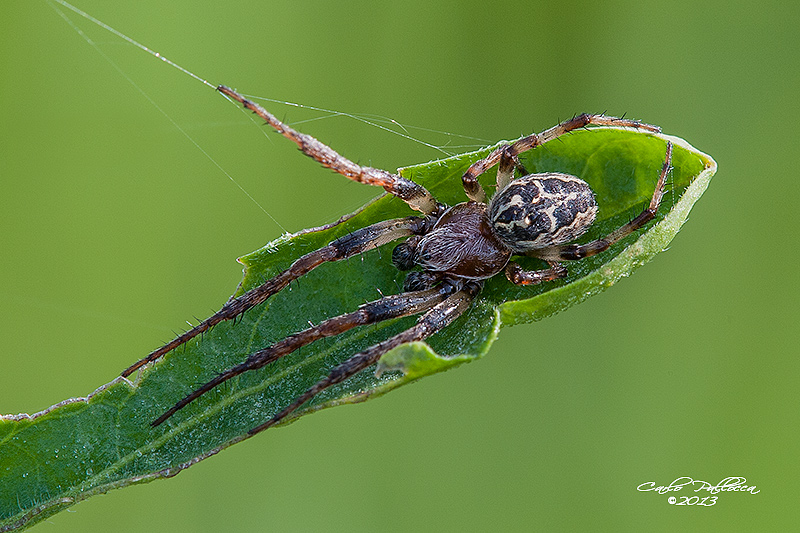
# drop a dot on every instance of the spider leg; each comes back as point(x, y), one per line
point(579, 251)
point(470, 177)
point(347, 246)
point(505, 170)
point(416, 196)
point(431, 322)
point(386, 308)
point(507, 162)
point(518, 276)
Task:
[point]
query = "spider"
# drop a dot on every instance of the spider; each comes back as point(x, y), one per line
point(457, 248)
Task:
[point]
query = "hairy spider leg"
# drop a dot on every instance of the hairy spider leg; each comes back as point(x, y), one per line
point(386, 308)
point(349, 245)
point(505, 172)
point(518, 276)
point(431, 322)
point(511, 152)
point(574, 252)
point(415, 195)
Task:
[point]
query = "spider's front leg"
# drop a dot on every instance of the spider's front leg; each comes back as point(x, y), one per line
point(352, 244)
point(386, 308)
point(415, 195)
point(431, 322)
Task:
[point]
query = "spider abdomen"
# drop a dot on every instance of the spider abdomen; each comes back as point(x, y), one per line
point(541, 210)
point(462, 243)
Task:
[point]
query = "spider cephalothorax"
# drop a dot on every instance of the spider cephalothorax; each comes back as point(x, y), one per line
point(456, 248)
point(461, 243)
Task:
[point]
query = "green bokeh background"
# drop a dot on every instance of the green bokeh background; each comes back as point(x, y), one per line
point(114, 229)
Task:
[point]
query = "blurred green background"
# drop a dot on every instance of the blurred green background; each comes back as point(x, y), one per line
point(115, 229)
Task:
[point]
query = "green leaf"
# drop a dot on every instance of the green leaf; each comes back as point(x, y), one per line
point(85, 446)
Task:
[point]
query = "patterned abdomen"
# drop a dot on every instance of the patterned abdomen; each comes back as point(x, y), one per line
point(541, 210)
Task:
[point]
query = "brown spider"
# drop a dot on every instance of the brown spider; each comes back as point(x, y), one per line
point(457, 247)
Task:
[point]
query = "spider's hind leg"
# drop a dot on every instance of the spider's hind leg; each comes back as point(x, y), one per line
point(518, 276)
point(505, 169)
point(573, 252)
point(509, 153)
